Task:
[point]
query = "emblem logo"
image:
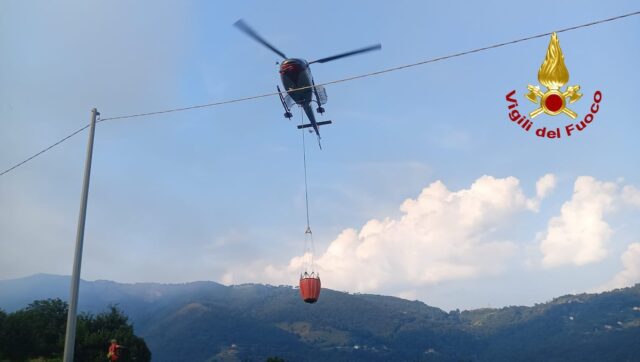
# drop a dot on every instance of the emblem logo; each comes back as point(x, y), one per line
point(553, 75)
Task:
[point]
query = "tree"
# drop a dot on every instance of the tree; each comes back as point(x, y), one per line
point(47, 319)
point(95, 332)
point(3, 317)
point(38, 331)
point(34, 331)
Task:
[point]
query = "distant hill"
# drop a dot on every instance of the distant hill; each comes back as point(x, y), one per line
point(206, 321)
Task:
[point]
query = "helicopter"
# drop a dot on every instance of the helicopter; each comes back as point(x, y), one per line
point(295, 74)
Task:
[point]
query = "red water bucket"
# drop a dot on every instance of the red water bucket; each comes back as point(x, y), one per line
point(310, 288)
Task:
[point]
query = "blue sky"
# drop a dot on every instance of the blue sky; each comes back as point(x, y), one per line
point(217, 193)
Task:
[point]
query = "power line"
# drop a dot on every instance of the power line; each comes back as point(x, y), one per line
point(43, 151)
point(388, 70)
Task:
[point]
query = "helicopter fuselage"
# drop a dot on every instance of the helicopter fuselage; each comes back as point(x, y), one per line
point(295, 73)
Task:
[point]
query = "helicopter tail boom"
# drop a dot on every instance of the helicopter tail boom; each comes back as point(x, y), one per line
point(312, 121)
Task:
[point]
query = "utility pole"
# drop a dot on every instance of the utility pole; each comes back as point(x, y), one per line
point(70, 336)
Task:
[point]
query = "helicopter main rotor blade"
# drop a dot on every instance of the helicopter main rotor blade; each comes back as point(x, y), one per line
point(240, 24)
point(348, 54)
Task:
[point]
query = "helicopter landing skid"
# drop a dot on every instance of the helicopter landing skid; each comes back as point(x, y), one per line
point(287, 110)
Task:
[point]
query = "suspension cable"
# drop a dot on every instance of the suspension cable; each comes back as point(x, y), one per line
point(304, 159)
point(309, 247)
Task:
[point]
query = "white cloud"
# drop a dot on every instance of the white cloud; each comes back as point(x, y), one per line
point(631, 195)
point(441, 235)
point(545, 185)
point(579, 234)
point(630, 273)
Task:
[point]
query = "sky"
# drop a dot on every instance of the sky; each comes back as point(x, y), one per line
point(424, 189)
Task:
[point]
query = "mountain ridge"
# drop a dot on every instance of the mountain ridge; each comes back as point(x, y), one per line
point(209, 321)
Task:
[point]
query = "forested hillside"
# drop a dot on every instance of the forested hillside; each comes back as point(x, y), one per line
point(208, 321)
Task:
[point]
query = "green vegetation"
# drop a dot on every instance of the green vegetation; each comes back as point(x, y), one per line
point(37, 333)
